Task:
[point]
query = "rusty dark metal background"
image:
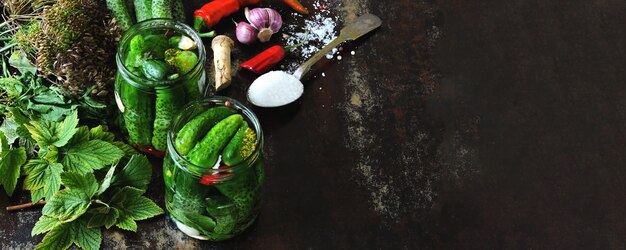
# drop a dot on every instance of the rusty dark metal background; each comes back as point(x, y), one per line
point(457, 124)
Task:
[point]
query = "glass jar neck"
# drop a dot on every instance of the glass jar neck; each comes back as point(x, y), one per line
point(165, 25)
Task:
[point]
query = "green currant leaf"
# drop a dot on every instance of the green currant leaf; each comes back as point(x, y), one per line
point(46, 132)
point(85, 183)
point(141, 208)
point(45, 224)
point(106, 182)
point(81, 135)
point(35, 174)
point(37, 195)
point(11, 162)
point(85, 237)
point(98, 133)
point(103, 216)
point(67, 205)
point(67, 129)
point(126, 223)
point(137, 173)
point(128, 150)
point(52, 175)
point(60, 237)
point(91, 155)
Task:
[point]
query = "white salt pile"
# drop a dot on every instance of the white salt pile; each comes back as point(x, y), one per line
point(275, 88)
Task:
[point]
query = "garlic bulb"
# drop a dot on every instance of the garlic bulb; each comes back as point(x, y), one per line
point(246, 33)
point(268, 21)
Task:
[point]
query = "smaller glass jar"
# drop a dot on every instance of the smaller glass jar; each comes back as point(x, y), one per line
point(213, 202)
point(156, 78)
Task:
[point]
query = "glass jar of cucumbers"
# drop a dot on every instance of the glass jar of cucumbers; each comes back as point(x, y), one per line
point(214, 169)
point(160, 65)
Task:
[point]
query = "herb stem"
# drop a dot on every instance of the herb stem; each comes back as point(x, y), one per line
point(23, 206)
point(97, 201)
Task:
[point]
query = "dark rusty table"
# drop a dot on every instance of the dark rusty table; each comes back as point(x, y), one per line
point(457, 124)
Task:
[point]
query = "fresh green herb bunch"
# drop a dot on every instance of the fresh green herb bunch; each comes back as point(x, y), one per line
point(76, 44)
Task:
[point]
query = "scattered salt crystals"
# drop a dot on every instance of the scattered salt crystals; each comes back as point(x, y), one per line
point(339, 58)
point(317, 31)
point(323, 74)
point(320, 88)
point(275, 88)
point(329, 56)
point(334, 50)
point(352, 52)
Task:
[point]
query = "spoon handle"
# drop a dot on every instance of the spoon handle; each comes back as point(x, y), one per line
point(361, 26)
point(306, 66)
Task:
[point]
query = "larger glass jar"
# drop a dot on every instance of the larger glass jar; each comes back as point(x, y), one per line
point(156, 77)
point(217, 199)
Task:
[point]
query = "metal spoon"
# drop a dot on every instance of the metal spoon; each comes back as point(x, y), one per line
point(268, 93)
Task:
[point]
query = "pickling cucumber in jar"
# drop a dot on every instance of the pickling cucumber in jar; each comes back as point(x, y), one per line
point(160, 65)
point(214, 169)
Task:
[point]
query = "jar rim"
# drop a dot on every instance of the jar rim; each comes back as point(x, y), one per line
point(219, 100)
point(155, 23)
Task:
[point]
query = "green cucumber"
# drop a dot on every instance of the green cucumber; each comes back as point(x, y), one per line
point(143, 9)
point(193, 131)
point(156, 70)
point(168, 102)
point(205, 152)
point(178, 11)
point(161, 8)
point(121, 13)
point(156, 45)
point(240, 147)
point(242, 190)
point(138, 112)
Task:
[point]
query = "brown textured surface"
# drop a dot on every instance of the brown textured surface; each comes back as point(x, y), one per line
point(513, 136)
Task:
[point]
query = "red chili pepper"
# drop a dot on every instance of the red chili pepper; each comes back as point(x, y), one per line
point(265, 60)
point(296, 5)
point(214, 11)
point(210, 179)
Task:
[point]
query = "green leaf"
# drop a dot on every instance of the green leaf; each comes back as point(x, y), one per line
point(127, 223)
point(88, 156)
point(19, 60)
point(47, 133)
point(60, 237)
point(9, 129)
point(10, 163)
point(37, 195)
point(137, 173)
point(81, 135)
point(124, 194)
point(42, 131)
point(85, 183)
point(4, 144)
point(98, 133)
point(67, 205)
point(141, 208)
point(67, 129)
point(106, 182)
point(203, 223)
point(53, 178)
point(85, 237)
point(35, 174)
point(128, 150)
point(103, 216)
point(45, 224)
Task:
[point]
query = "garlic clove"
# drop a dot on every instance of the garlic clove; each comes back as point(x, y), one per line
point(245, 33)
point(275, 21)
point(257, 17)
point(186, 43)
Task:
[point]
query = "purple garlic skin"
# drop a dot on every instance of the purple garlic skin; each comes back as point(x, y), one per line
point(268, 21)
point(246, 33)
